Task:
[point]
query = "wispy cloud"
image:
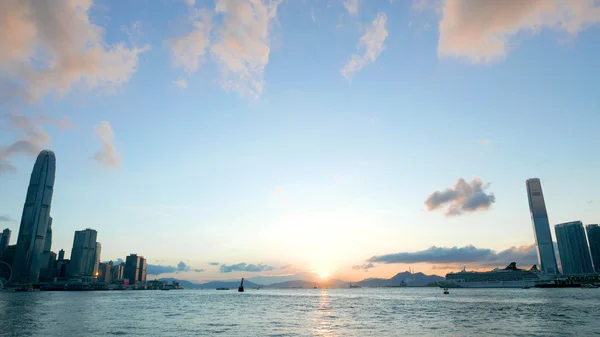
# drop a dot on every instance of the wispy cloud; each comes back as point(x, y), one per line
point(153, 269)
point(462, 197)
point(51, 46)
point(243, 43)
point(31, 137)
point(5, 218)
point(372, 43)
point(364, 267)
point(524, 255)
point(187, 51)
point(214, 263)
point(482, 30)
point(253, 268)
point(108, 156)
point(351, 6)
point(181, 83)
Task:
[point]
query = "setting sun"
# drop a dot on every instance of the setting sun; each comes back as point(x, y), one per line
point(323, 274)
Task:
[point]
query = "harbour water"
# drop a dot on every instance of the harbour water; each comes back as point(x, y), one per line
point(304, 312)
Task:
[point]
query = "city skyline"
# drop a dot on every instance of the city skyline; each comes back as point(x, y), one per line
point(348, 142)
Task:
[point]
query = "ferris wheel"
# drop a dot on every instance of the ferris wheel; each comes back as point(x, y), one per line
point(5, 274)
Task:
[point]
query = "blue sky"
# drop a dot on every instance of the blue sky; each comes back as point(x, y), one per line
point(229, 131)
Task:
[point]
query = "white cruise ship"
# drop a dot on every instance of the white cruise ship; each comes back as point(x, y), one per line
point(509, 277)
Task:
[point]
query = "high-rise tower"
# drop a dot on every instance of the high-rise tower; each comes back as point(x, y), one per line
point(593, 236)
point(573, 248)
point(4, 240)
point(541, 227)
point(35, 220)
point(84, 264)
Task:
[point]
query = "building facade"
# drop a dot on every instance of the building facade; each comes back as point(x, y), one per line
point(593, 236)
point(84, 264)
point(4, 240)
point(35, 220)
point(142, 272)
point(132, 268)
point(104, 273)
point(117, 272)
point(541, 227)
point(573, 248)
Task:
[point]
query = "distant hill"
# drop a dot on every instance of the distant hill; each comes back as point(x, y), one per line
point(309, 284)
point(212, 285)
point(414, 280)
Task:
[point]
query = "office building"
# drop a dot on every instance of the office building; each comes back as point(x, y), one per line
point(573, 248)
point(61, 255)
point(9, 255)
point(117, 272)
point(142, 272)
point(593, 236)
point(541, 227)
point(132, 268)
point(104, 273)
point(35, 220)
point(47, 245)
point(97, 258)
point(83, 263)
point(4, 240)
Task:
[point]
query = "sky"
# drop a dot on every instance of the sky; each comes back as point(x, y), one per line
point(261, 138)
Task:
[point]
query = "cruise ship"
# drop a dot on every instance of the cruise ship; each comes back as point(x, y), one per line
point(509, 277)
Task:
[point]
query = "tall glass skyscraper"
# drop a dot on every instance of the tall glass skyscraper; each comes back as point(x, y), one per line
point(541, 227)
point(593, 236)
point(573, 248)
point(35, 220)
point(4, 240)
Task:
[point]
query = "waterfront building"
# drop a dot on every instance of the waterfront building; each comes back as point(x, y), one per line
point(61, 255)
point(4, 240)
point(593, 236)
point(47, 246)
point(541, 227)
point(132, 268)
point(573, 248)
point(84, 265)
point(9, 255)
point(117, 272)
point(97, 258)
point(35, 220)
point(104, 272)
point(142, 272)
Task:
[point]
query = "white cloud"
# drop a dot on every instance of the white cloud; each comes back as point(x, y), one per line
point(181, 83)
point(188, 51)
point(49, 46)
point(108, 156)
point(190, 3)
point(482, 30)
point(31, 138)
point(372, 42)
point(242, 48)
point(351, 6)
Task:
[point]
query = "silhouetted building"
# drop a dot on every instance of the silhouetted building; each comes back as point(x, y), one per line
point(9, 254)
point(541, 227)
point(61, 255)
point(104, 273)
point(142, 272)
point(132, 268)
point(35, 220)
point(593, 236)
point(4, 240)
point(83, 255)
point(573, 248)
point(52, 260)
point(47, 246)
point(117, 272)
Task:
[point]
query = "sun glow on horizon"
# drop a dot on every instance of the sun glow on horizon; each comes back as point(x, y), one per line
point(323, 273)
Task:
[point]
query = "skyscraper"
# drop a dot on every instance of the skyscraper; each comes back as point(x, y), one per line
point(142, 272)
point(573, 248)
point(97, 258)
point(541, 227)
point(4, 240)
point(35, 219)
point(132, 268)
point(83, 263)
point(61, 255)
point(47, 245)
point(593, 236)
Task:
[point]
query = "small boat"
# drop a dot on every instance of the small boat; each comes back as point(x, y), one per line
point(591, 286)
point(353, 286)
point(446, 292)
point(241, 287)
point(222, 288)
